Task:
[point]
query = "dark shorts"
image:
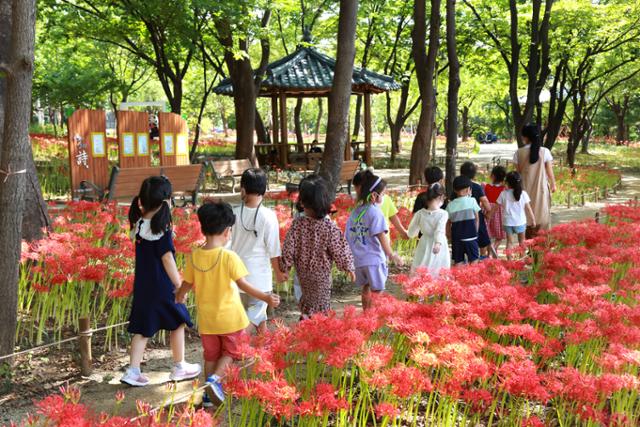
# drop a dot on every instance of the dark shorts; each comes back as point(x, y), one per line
point(465, 251)
point(483, 233)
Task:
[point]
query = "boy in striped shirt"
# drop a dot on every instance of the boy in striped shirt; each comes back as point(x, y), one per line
point(463, 222)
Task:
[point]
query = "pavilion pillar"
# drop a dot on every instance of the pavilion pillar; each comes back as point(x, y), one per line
point(275, 126)
point(367, 129)
point(284, 145)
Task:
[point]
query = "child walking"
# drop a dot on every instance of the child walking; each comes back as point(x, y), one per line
point(469, 169)
point(515, 203)
point(432, 251)
point(432, 175)
point(388, 208)
point(312, 244)
point(257, 241)
point(212, 271)
point(156, 279)
point(366, 232)
point(463, 222)
point(494, 217)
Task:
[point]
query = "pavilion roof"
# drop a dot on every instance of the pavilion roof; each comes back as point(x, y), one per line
point(309, 73)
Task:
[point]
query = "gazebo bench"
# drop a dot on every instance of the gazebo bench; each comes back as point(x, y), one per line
point(228, 170)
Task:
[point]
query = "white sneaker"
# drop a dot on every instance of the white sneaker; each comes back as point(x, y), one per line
point(134, 379)
point(185, 371)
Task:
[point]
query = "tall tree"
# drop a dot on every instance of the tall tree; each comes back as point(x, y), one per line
point(233, 29)
point(425, 72)
point(452, 97)
point(17, 72)
point(163, 34)
point(395, 45)
point(338, 116)
point(510, 46)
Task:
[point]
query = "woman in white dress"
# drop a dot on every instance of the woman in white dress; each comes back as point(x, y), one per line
point(432, 252)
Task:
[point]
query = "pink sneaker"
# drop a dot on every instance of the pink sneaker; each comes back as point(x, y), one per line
point(134, 379)
point(185, 371)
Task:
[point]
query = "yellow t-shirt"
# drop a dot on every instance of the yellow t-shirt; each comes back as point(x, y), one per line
point(213, 273)
point(388, 208)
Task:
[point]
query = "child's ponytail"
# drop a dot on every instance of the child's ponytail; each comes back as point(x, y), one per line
point(161, 221)
point(514, 181)
point(155, 193)
point(134, 212)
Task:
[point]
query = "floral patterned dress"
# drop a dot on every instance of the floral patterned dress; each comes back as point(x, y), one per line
point(312, 246)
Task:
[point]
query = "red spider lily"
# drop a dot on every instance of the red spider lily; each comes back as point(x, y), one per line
point(386, 410)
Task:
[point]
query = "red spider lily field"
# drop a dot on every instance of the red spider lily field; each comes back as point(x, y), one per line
point(552, 339)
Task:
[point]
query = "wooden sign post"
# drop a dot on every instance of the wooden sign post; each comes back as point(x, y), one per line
point(88, 151)
point(133, 139)
point(174, 140)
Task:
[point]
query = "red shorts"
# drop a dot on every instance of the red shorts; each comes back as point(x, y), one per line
point(216, 346)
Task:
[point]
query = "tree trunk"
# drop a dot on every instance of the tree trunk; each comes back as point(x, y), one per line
point(225, 122)
point(452, 97)
point(338, 117)
point(425, 70)
point(318, 119)
point(244, 102)
point(261, 130)
point(465, 124)
point(298, 126)
point(14, 157)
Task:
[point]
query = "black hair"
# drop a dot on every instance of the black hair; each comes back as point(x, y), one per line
point(468, 169)
point(359, 177)
point(514, 181)
point(435, 190)
point(154, 191)
point(532, 133)
point(254, 181)
point(314, 195)
point(215, 217)
point(371, 184)
point(499, 173)
point(461, 182)
point(433, 174)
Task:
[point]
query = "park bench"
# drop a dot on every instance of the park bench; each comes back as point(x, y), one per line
point(347, 172)
point(228, 170)
point(124, 183)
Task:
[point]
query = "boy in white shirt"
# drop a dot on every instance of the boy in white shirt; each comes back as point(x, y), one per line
point(256, 239)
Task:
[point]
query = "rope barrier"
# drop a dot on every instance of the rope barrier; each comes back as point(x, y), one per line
point(86, 333)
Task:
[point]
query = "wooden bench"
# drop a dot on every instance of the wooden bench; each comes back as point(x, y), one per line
point(228, 170)
point(124, 183)
point(347, 172)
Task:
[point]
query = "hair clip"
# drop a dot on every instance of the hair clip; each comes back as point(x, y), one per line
point(375, 184)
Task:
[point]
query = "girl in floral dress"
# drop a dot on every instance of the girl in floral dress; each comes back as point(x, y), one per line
point(312, 245)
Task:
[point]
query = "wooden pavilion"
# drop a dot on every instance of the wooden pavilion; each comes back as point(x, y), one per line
point(308, 73)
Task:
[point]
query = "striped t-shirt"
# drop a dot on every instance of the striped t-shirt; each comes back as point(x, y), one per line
point(462, 214)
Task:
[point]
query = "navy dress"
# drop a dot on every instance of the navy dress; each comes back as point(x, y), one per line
point(154, 306)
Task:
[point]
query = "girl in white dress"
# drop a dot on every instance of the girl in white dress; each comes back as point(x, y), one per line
point(432, 252)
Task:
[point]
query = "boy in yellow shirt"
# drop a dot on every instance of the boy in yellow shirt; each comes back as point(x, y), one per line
point(211, 270)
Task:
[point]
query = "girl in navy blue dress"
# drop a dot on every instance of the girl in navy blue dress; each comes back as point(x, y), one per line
point(156, 280)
